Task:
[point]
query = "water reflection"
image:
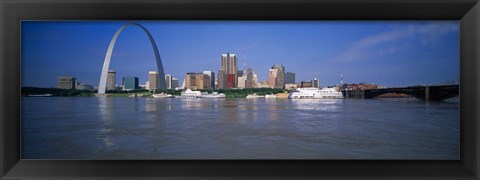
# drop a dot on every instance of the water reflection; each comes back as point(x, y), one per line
point(107, 108)
point(149, 128)
point(191, 103)
point(151, 105)
point(317, 104)
point(272, 109)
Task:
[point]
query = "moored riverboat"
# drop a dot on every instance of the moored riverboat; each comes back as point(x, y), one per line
point(162, 95)
point(315, 93)
point(213, 95)
point(190, 94)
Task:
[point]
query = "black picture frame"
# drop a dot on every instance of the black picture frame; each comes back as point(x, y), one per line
point(13, 11)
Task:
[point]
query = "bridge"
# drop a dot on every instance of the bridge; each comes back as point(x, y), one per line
point(434, 92)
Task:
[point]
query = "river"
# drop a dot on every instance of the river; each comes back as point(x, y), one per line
point(199, 128)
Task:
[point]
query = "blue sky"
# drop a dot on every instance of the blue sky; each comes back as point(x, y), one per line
point(391, 53)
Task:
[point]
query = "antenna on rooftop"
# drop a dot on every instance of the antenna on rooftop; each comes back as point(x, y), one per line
point(244, 57)
point(341, 79)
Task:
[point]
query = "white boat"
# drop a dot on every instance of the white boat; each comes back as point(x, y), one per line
point(214, 95)
point(270, 96)
point(314, 93)
point(190, 94)
point(162, 95)
point(253, 96)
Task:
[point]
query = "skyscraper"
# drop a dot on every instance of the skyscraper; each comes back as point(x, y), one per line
point(212, 78)
point(190, 81)
point(168, 81)
point(197, 81)
point(130, 83)
point(111, 80)
point(66, 82)
point(202, 81)
point(174, 83)
point(289, 78)
point(229, 66)
point(315, 83)
point(153, 80)
point(222, 80)
point(272, 77)
point(280, 78)
point(251, 83)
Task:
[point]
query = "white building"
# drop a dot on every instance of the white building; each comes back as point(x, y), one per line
point(147, 85)
point(168, 81)
point(242, 81)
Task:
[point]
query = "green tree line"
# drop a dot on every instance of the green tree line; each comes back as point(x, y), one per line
point(55, 91)
point(229, 93)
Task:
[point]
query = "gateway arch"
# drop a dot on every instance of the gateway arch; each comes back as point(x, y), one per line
point(108, 56)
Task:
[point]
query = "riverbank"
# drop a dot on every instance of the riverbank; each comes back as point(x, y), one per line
point(229, 93)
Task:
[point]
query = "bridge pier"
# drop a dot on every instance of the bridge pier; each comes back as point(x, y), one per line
point(357, 94)
point(428, 93)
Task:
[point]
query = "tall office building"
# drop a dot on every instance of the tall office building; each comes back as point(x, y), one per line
point(153, 80)
point(222, 80)
point(190, 81)
point(279, 66)
point(202, 81)
point(168, 81)
point(280, 77)
point(197, 81)
point(174, 83)
point(66, 82)
point(315, 83)
point(251, 82)
point(289, 78)
point(130, 83)
point(272, 77)
point(229, 67)
point(111, 80)
point(212, 78)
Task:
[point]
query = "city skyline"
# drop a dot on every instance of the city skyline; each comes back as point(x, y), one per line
point(402, 52)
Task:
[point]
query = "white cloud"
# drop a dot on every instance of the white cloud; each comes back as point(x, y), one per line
point(376, 45)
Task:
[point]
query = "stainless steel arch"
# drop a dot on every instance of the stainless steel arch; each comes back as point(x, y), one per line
point(106, 63)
